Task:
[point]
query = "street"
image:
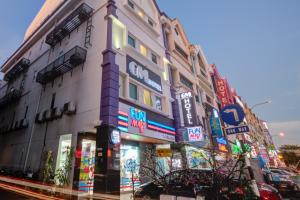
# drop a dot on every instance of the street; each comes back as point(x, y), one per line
point(8, 195)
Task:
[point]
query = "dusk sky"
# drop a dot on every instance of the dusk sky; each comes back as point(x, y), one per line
point(255, 45)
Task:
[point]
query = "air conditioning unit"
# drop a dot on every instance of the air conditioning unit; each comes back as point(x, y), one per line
point(39, 118)
point(16, 125)
point(56, 112)
point(70, 108)
point(24, 123)
point(47, 114)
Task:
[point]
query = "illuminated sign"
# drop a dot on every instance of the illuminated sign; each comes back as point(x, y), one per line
point(138, 119)
point(195, 134)
point(140, 73)
point(215, 124)
point(222, 91)
point(222, 147)
point(188, 109)
point(123, 121)
point(115, 137)
point(222, 141)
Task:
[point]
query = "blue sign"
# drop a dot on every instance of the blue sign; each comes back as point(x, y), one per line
point(237, 129)
point(222, 141)
point(215, 124)
point(232, 114)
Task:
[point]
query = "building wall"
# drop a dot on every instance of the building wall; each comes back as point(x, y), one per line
point(80, 85)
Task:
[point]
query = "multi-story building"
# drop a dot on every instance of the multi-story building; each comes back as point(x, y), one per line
point(108, 79)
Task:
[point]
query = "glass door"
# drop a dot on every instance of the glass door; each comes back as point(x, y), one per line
point(87, 166)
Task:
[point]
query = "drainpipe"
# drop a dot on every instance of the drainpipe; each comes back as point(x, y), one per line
point(31, 133)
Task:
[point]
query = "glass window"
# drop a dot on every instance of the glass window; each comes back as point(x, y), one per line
point(150, 22)
point(143, 50)
point(199, 95)
point(147, 98)
point(186, 82)
point(158, 103)
point(133, 91)
point(131, 4)
point(118, 33)
point(131, 41)
point(154, 58)
point(129, 161)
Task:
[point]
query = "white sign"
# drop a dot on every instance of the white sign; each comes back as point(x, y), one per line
point(195, 134)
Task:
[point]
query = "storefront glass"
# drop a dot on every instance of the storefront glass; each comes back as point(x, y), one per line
point(87, 166)
point(130, 161)
point(197, 158)
point(63, 147)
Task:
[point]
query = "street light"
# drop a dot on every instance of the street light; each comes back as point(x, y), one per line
point(281, 134)
point(261, 103)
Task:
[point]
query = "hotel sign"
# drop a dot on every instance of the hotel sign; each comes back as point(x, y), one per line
point(222, 91)
point(143, 75)
point(188, 109)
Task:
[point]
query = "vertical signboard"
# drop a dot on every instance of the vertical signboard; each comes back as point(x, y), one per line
point(222, 91)
point(188, 109)
point(215, 124)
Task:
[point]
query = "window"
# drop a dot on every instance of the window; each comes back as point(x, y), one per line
point(158, 104)
point(154, 58)
point(181, 51)
point(166, 72)
point(208, 99)
point(118, 33)
point(143, 50)
point(130, 4)
point(199, 95)
point(176, 31)
point(133, 91)
point(193, 67)
point(150, 22)
point(147, 98)
point(186, 82)
point(131, 41)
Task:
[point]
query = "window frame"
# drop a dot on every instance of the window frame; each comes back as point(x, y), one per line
point(137, 91)
point(133, 39)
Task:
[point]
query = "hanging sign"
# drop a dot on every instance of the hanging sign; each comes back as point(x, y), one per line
point(143, 75)
point(232, 114)
point(222, 91)
point(188, 109)
point(138, 119)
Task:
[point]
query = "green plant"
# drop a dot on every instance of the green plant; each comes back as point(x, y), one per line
point(48, 171)
point(62, 175)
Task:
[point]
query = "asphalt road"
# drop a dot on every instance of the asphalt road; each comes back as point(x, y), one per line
point(8, 195)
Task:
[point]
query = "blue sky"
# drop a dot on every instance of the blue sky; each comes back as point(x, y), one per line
point(255, 44)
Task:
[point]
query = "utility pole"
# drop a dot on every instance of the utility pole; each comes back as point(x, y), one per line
point(249, 168)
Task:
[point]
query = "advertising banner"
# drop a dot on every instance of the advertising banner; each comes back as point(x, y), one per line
point(142, 74)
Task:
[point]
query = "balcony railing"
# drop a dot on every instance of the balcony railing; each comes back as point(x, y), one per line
point(74, 20)
point(61, 65)
point(16, 70)
point(12, 96)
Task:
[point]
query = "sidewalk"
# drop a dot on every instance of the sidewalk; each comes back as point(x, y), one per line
point(34, 188)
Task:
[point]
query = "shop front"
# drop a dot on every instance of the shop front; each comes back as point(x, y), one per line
point(141, 129)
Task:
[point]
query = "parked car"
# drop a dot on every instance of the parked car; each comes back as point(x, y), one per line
point(286, 186)
point(282, 174)
point(267, 192)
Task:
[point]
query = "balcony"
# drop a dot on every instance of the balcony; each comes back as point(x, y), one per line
point(12, 96)
point(16, 70)
point(61, 65)
point(74, 20)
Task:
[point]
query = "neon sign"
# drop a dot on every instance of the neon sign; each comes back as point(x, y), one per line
point(138, 119)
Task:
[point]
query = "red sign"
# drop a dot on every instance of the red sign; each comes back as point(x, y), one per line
point(222, 91)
